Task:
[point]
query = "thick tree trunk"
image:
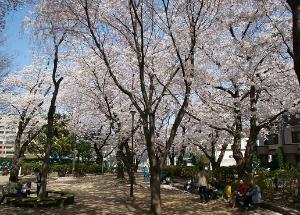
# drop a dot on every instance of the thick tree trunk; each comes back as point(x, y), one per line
point(295, 6)
point(45, 166)
point(17, 163)
point(16, 158)
point(99, 154)
point(246, 165)
point(155, 166)
point(237, 138)
point(215, 166)
point(155, 186)
point(120, 165)
point(250, 150)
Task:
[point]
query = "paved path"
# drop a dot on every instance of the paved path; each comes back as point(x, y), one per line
point(101, 195)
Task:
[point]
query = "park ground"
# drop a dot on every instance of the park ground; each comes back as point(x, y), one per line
point(102, 195)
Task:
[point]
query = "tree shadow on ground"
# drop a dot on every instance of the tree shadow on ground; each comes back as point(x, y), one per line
point(102, 195)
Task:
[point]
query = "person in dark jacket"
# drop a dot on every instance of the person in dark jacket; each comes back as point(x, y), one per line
point(38, 181)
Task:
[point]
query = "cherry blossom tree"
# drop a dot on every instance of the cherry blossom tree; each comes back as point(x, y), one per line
point(149, 39)
point(25, 94)
point(49, 28)
point(251, 76)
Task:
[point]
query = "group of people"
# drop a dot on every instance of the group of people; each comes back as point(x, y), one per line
point(240, 196)
point(14, 188)
point(245, 194)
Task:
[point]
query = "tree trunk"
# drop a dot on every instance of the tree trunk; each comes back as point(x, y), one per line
point(50, 122)
point(172, 156)
point(15, 161)
point(246, 165)
point(215, 166)
point(120, 165)
point(295, 6)
point(74, 156)
point(99, 155)
point(237, 138)
point(155, 165)
point(155, 208)
point(45, 166)
point(250, 150)
point(180, 157)
point(136, 165)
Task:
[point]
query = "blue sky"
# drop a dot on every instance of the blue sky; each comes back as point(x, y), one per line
point(17, 43)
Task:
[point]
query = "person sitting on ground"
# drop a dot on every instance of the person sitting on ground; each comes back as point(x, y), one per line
point(38, 181)
point(11, 189)
point(227, 190)
point(215, 183)
point(217, 190)
point(188, 186)
point(202, 184)
point(26, 189)
point(253, 196)
point(239, 193)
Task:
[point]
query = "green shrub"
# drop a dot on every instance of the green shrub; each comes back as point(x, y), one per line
point(180, 171)
point(28, 168)
point(64, 168)
point(226, 172)
point(282, 179)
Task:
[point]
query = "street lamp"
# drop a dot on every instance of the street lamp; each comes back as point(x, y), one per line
point(132, 112)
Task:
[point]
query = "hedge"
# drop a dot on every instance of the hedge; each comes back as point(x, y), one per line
point(62, 169)
point(180, 171)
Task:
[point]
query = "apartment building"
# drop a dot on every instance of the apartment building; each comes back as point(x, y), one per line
point(287, 136)
point(228, 159)
point(8, 130)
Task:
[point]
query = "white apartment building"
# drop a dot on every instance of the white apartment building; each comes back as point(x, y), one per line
point(8, 130)
point(228, 159)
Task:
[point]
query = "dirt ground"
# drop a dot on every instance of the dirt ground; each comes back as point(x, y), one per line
point(104, 196)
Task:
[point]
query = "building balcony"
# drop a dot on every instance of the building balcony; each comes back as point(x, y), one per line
point(263, 150)
point(291, 148)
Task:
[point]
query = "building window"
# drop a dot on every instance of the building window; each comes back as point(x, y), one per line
point(272, 139)
point(1, 132)
point(1, 142)
point(296, 137)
